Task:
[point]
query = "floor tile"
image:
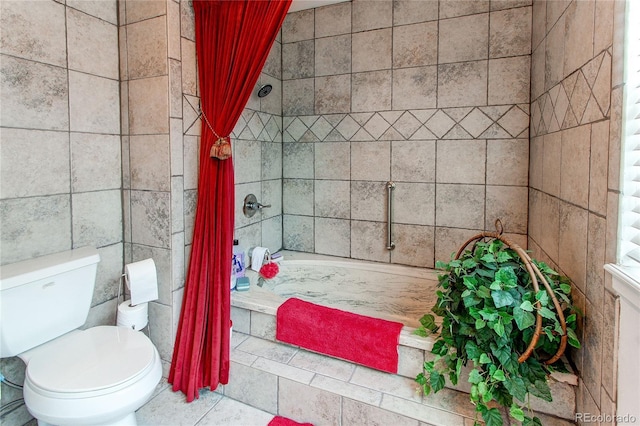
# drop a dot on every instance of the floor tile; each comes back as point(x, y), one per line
point(229, 412)
point(171, 409)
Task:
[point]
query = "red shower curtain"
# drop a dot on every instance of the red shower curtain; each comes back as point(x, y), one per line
point(233, 40)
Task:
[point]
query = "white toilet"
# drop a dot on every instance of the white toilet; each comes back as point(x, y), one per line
point(101, 375)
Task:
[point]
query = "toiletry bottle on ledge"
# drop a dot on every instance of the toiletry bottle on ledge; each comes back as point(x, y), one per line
point(237, 263)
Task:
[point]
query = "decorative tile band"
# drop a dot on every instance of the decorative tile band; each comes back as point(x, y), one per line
point(490, 122)
point(252, 125)
point(583, 97)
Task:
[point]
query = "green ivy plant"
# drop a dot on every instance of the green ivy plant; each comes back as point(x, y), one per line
point(488, 308)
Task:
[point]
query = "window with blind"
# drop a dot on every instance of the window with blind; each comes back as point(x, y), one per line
point(629, 251)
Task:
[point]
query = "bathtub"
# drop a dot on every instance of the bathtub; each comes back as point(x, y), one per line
point(392, 292)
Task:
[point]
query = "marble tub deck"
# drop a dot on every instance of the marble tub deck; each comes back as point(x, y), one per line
point(392, 292)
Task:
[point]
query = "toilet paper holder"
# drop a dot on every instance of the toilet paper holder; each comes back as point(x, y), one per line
point(251, 205)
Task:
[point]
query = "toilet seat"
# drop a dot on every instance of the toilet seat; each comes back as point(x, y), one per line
point(91, 363)
point(59, 387)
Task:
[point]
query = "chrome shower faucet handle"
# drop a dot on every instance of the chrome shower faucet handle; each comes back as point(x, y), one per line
point(251, 205)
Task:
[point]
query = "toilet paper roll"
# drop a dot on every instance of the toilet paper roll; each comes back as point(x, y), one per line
point(142, 281)
point(258, 255)
point(135, 317)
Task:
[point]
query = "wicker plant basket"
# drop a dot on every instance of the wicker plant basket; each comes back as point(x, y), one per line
point(536, 277)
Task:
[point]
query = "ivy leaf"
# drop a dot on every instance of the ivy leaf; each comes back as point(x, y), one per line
point(547, 313)
point(437, 381)
point(488, 258)
point(526, 306)
point(482, 388)
point(441, 265)
point(487, 273)
point(475, 377)
point(473, 352)
point(489, 314)
point(549, 333)
point(471, 301)
point(469, 263)
point(504, 256)
point(566, 288)
point(517, 413)
point(572, 338)
point(528, 421)
point(499, 376)
point(516, 387)
point(474, 393)
point(458, 370)
point(502, 353)
point(492, 417)
point(495, 246)
point(474, 313)
point(542, 297)
point(421, 332)
point(571, 318)
point(480, 324)
point(483, 292)
point(523, 318)
point(541, 389)
point(484, 359)
point(428, 322)
point(496, 285)
point(498, 327)
point(507, 277)
point(502, 298)
point(563, 297)
point(470, 282)
point(439, 348)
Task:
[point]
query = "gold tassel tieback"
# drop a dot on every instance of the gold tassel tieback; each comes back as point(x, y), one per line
point(221, 149)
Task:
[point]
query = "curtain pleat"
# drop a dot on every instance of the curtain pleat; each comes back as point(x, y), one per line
point(233, 40)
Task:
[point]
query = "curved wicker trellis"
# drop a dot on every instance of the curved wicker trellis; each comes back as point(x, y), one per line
point(535, 274)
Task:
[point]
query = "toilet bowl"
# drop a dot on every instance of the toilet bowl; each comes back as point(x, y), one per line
point(98, 376)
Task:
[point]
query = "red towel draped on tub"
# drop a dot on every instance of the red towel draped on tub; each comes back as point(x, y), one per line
point(372, 342)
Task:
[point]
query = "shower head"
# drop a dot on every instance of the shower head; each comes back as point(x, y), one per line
point(264, 90)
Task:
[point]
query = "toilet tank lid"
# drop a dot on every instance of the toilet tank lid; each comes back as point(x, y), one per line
point(20, 273)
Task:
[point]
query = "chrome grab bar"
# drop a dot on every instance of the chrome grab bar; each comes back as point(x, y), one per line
point(390, 187)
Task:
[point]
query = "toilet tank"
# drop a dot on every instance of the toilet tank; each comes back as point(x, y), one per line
point(45, 297)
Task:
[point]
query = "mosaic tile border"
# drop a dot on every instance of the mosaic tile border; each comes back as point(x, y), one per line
point(252, 125)
point(581, 98)
point(487, 122)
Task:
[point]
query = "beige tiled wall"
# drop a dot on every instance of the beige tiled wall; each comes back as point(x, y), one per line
point(152, 151)
point(60, 158)
point(257, 152)
point(573, 183)
point(60, 145)
point(432, 95)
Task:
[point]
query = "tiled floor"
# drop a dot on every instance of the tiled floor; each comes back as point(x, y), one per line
point(311, 387)
point(169, 408)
